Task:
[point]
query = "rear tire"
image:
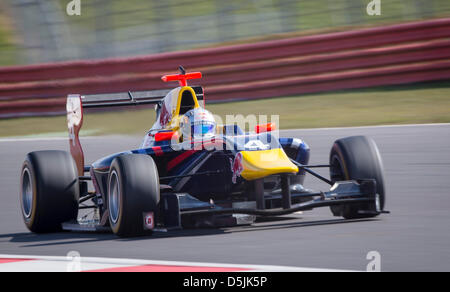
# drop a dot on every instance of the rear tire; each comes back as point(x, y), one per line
point(133, 190)
point(355, 158)
point(49, 190)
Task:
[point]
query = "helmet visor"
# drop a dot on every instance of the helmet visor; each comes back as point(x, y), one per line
point(203, 129)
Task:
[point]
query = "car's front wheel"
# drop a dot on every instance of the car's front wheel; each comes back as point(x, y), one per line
point(133, 194)
point(354, 158)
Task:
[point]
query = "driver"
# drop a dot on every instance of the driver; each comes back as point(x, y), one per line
point(197, 123)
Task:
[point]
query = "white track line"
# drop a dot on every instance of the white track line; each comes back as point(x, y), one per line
point(368, 127)
point(43, 139)
point(62, 264)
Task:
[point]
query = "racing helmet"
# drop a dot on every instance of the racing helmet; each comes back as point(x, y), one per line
point(197, 122)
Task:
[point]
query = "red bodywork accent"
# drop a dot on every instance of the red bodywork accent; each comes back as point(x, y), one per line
point(200, 145)
point(158, 150)
point(166, 136)
point(182, 78)
point(180, 158)
point(265, 128)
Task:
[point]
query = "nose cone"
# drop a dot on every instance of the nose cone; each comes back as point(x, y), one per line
point(260, 164)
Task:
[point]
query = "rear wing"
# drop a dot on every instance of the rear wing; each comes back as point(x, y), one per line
point(76, 103)
point(130, 98)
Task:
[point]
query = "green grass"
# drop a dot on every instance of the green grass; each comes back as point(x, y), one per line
point(423, 103)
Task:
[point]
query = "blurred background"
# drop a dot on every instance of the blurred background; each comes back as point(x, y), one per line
point(37, 31)
point(322, 58)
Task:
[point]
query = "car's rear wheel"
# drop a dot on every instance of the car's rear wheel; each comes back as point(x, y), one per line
point(133, 194)
point(354, 158)
point(49, 190)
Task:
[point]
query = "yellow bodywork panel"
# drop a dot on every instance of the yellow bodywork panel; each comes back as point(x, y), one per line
point(260, 164)
point(174, 122)
point(180, 96)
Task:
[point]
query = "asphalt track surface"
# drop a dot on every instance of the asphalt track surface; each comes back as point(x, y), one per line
point(415, 237)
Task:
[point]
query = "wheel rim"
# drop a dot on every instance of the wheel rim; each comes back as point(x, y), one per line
point(27, 193)
point(114, 197)
point(336, 169)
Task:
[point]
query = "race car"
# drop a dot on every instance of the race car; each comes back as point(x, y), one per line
point(191, 172)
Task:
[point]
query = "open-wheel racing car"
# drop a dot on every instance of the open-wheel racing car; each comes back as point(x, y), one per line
point(191, 172)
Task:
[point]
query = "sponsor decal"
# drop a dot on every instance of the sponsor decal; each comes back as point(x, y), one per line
point(149, 221)
point(256, 145)
point(164, 116)
point(237, 167)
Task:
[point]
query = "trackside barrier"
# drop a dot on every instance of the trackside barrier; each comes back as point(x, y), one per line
point(395, 54)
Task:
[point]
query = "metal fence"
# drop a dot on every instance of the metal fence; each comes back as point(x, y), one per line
point(119, 28)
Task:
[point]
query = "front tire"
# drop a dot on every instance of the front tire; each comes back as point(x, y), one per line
point(49, 190)
point(354, 158)
point(133, 190)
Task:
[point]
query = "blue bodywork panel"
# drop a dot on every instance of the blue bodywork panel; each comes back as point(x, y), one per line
point(203, 157)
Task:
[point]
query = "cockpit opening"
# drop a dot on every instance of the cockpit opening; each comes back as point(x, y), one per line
point(187, 102)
